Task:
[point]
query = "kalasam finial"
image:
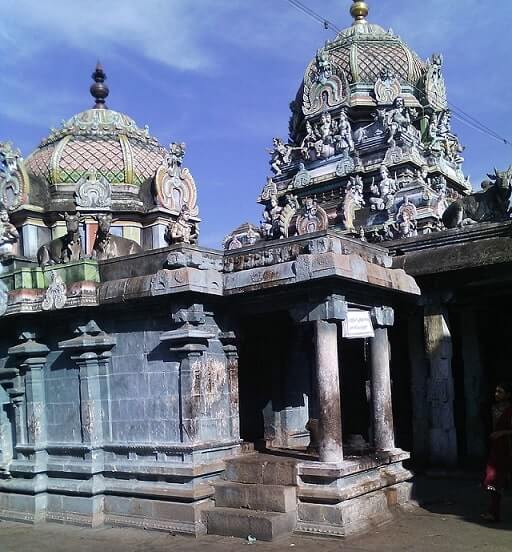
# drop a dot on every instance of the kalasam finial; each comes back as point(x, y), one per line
point(359, 11)
point(99, 89)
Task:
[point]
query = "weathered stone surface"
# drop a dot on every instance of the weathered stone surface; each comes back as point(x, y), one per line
point(270, 498)
point(264, 526)
point(262, 469)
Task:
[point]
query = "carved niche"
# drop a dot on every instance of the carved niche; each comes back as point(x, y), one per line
point(325, 85)
point(312, 218)
point(174, 186)
point(93, 192)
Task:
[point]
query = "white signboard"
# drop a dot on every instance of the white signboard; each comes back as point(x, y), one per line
point(357, 325)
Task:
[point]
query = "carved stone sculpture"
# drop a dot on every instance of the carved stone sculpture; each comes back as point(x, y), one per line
point(387, 88)
point(383, 193)
point(93, 192)
point(435, 88)
point(55, 294)
point(352, 201)
point(108, 246)
point(11, 177)
point(8, 234)
point(325, 85)
point(312, 218)
point(270, 225)
point(397, 122)
point(406, 220)
point(491, 204)
point(280, 155)
point(181, 230)
point(65, 249)
point(174, 185)
point(443, 141)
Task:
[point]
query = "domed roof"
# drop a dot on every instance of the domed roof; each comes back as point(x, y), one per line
point(346, 69)
point(97, 139)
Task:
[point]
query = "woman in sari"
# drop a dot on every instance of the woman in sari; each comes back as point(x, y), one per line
point(499, 463)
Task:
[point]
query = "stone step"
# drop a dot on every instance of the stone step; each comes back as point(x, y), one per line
point(269, 498)
point(264, 526)
point(262, 469)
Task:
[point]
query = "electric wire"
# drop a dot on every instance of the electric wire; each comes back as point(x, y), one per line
point(458, 113)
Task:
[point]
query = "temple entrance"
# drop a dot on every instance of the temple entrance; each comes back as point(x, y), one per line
point(274, 382)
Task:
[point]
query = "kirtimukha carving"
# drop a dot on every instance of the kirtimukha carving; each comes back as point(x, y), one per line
point(383, 193)
point(181, 230)
point(325, 85)
point(280, 155)
point(387, 88)
point(302, 178)
point(55, 294)
point(11, 177)
point(108, 246)
point(174, 185)
point(65, 249)
point(492, 204)
point(93, 192)
point(8, 234)
point(312, 218)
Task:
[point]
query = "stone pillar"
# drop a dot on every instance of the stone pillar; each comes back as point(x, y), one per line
point(474, 390)
point(441, 394)
point(229, 343)
point(383, 429)
point(91, 350)
point(189, 342)
point(419, 384)
point(324, 316)
point(30, 407)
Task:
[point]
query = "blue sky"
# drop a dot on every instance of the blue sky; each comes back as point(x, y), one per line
point(219, 75)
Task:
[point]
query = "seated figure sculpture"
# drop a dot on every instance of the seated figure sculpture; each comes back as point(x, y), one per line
point(108, 246)
point(65, 249)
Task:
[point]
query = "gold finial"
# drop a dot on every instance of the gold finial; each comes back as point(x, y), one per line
point(359, 11)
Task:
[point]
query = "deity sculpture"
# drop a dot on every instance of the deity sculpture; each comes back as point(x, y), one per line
point(352, 201)
point(175, 156)
point(8, 234)
point(280, 155)
point(271, 218)
point(442, 140)
point(66, 248)
point(398, 121)
point(312, 218)
point(383, 194)
point(182, 230)
point(343, 139)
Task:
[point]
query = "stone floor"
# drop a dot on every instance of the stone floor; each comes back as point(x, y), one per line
point(447, 522)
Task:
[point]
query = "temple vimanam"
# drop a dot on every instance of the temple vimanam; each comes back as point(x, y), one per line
point(277, 385)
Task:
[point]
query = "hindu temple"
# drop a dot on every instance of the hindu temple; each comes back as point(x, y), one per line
point(295, 379)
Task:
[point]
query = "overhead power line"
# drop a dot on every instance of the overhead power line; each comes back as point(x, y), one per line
point(458, 113)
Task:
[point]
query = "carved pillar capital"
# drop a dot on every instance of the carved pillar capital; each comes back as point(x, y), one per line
point(90, 342)
point(383, 317)
point(332, 308)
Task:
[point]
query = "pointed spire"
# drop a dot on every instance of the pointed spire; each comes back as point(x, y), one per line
point(359, 11)
point(99, 90)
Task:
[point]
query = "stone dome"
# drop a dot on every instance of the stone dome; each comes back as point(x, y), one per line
point(98, 139)
point(365, 51)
